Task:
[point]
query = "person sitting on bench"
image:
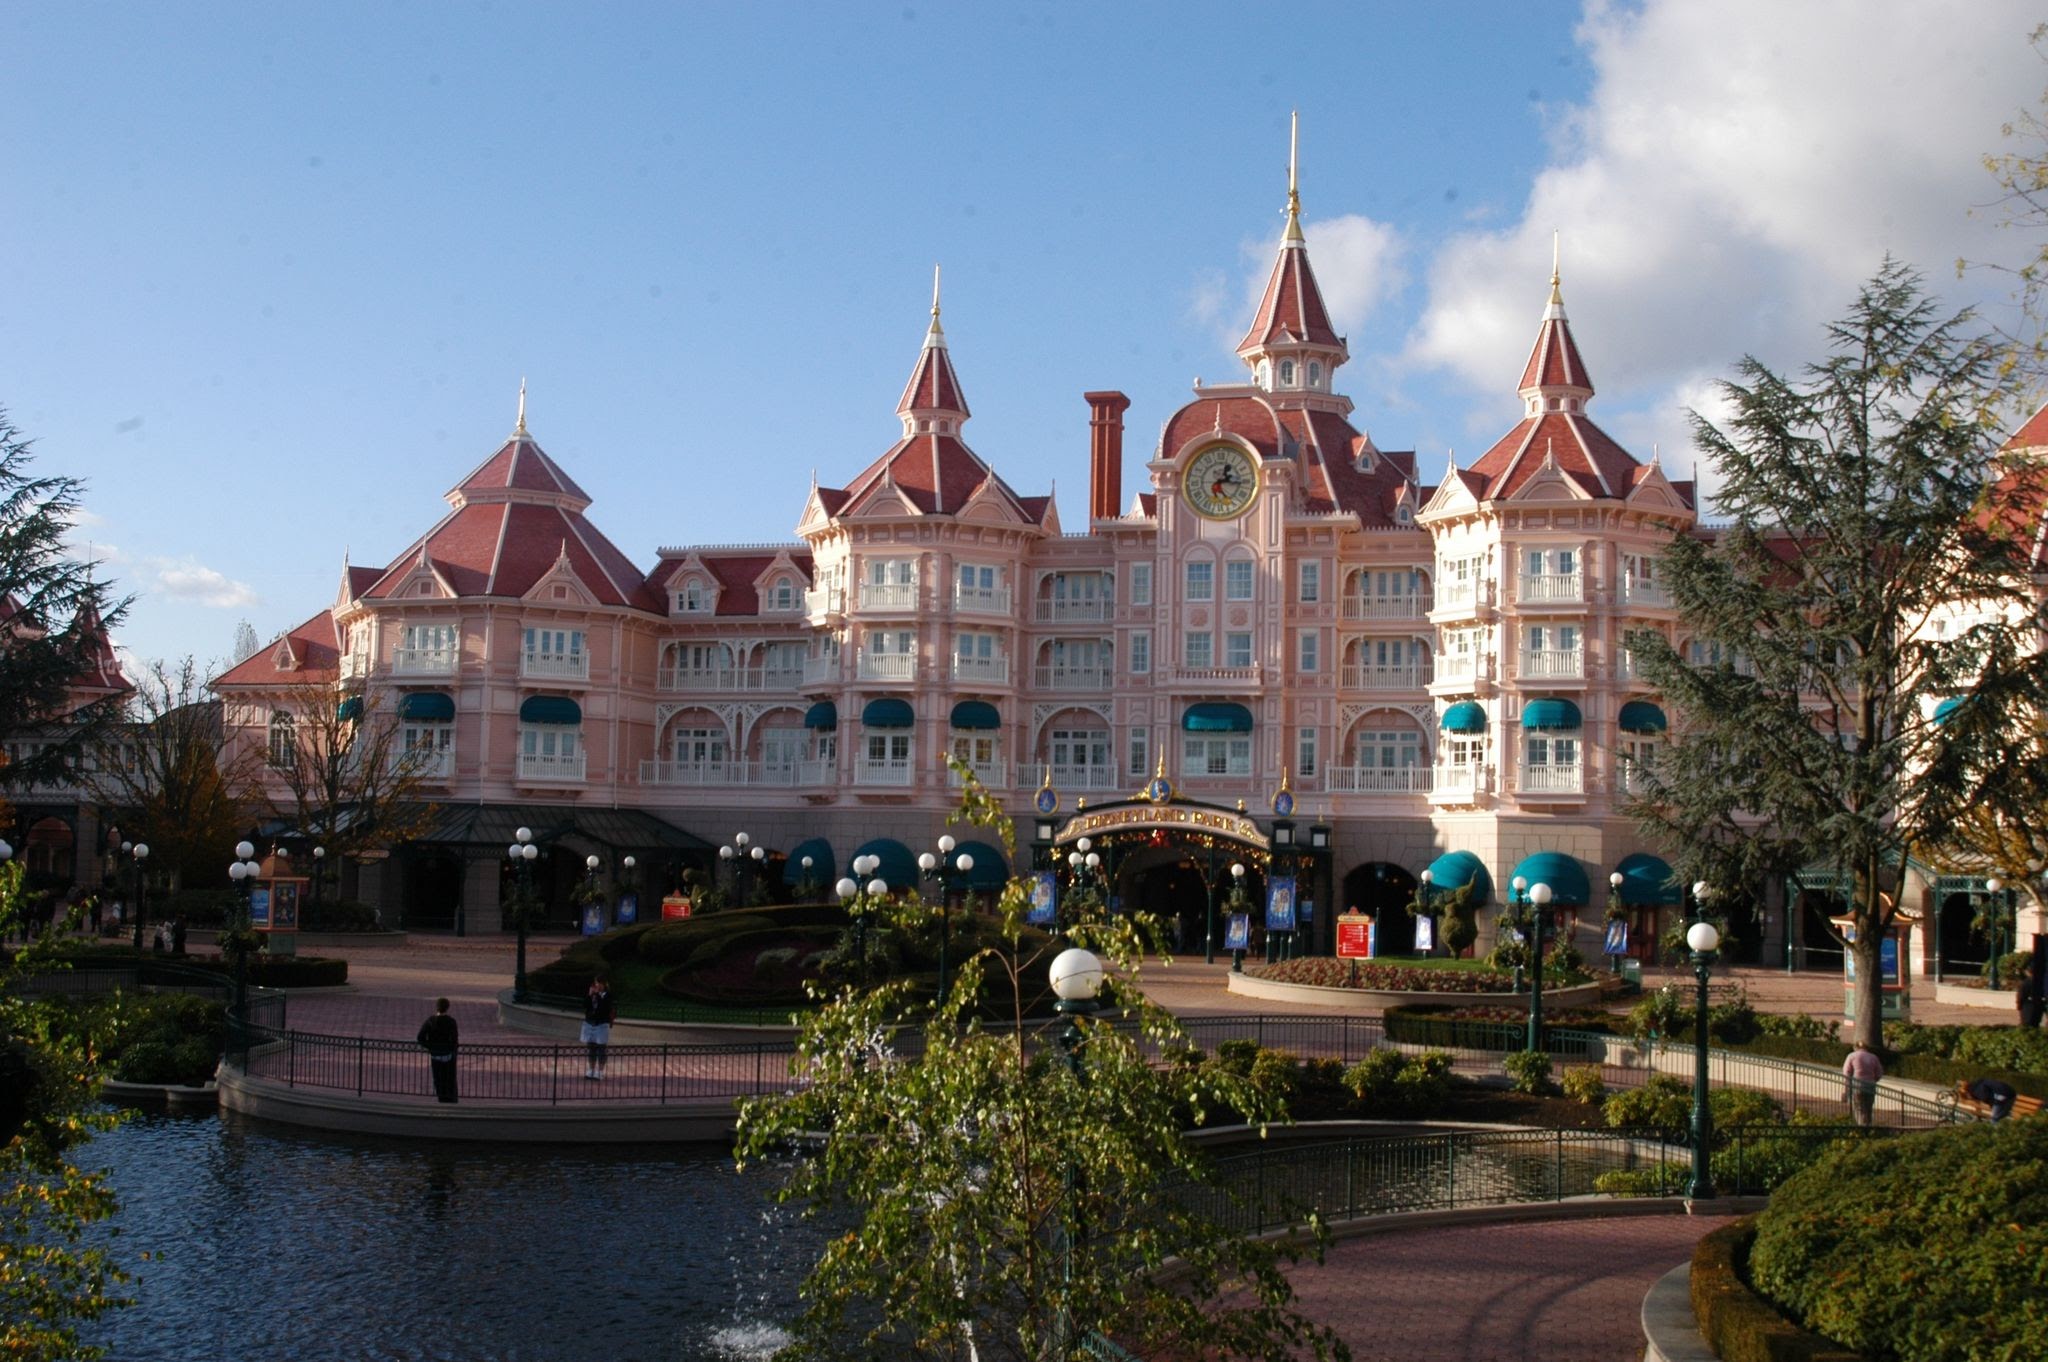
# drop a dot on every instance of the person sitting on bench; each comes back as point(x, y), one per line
point(1996, 1094)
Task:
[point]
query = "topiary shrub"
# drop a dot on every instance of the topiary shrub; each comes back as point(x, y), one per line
point(1663, 1103)
point(1530, 1069)
point(1582, 1083)
point(1928, 1246)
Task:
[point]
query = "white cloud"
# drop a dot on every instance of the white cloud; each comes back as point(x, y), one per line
point(1737, 170)
point(202, 585)
point(1358, 263)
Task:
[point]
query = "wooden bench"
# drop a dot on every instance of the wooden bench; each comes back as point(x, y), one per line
point(1958, 1103)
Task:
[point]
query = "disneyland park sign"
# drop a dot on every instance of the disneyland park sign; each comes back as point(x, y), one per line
point(1145, 817)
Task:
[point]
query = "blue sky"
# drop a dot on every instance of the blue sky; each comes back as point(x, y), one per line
point(270, 276)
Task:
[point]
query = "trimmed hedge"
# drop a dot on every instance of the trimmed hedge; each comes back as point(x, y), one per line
point(1437, 1024)
point(279, 971)
point(1739, 1325)
point(1927, 1247)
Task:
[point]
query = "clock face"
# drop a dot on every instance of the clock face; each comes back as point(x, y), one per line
point(1220, 482)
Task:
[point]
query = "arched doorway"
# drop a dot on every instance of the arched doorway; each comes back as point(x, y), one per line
point(1384, 890)
point(1168, 886)
point(49, 850)
point(1963, 949)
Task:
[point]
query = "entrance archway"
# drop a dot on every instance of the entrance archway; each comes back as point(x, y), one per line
point(1384, 890)
point(1963, 949)
point(1171, 857)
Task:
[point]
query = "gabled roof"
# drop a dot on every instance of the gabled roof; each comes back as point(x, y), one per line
point(933, 386)
point(315, 648)
point(1582, 450)
point(518, 466)
point(738, 574)
point(2033, 432)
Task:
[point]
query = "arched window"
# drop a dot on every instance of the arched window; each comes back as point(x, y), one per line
point(1265, 373)
point(1315, 374)
point(1286, 373)
point(284, 744)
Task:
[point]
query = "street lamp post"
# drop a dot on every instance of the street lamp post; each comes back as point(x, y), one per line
point(1519, 896)
point(1428, 902)
point(141, 855)
point(1237, 902)
point(1615, 907)
point(858, 900)
point(319, 859)
point(243, 871)
point(1539, 894)
point(1703, 939)
point(1209, 902)
point(521, 854)
point(1076, 976)
point(1996, 888)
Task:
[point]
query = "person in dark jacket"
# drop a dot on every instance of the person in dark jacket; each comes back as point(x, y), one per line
point(597, 1024)
point(1996, 1094)
point(438, 1037)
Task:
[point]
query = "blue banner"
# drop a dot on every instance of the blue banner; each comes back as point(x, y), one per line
point(1617, 938)
point(1305, 909)
point(1280, 904)
point(629, 909)
point(1045, 897)
point(1237, 936)
point(593, 918)
point(259, 908)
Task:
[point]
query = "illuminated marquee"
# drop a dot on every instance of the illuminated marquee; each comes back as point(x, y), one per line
point(1171, 817)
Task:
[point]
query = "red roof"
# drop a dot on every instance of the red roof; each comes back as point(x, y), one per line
point(519, 465)
point(1583, 451)
point(737, 574)
point(2032, 434)
point(103, 670)
point(1555, 362)
point(933, 385)
point(1329, 450)
point(1292, 308)
point(315, 646)
point(361, 579)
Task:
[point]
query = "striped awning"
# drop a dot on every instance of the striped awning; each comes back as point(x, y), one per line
point(1565, 876)
point(888, 712)
point(975, 714)
point(1945, 711)
point(824, 714)
point(1647, 880)
point(1455, 869)
point(350, 709)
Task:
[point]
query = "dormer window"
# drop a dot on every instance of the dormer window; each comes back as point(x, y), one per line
point(1402, 515)
point(1315, 374)
point(1286, 373)
point(782, 596)
point(693, 599)
point(924, 425)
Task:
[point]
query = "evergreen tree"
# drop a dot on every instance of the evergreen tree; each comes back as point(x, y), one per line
point(1869, 573)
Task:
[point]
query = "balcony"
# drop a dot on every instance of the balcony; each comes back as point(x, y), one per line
point(1379, 779)
point(692, 773)
point(1212, 676)
point(993, 670)
point(1632, 778)
point(1055, 610)
point(981, 600)
point(551, 770)
point(820, 671)
point(1553, 664)
point(887, 666)
point(555, 667)
point(354, 665)
point(424, 661)
point(730, 678)
point(1466, 595)
point(888, 595)
point(818, 771)
point(1466, 667)
point(1386, 607)
point(1398, 676)
point(425, 763)
point(894, 772)
point(1083, 777)
point(1635, 591)
point(1071, 678)
point(825, 601)
point(1551, 588)
point(1460, 782)
point(993, 774)
point(1551, 781)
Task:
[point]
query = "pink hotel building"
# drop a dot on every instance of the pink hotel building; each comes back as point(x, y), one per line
point(1427, 668)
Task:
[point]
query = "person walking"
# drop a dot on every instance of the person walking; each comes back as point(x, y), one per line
point(1860, 1072)
point(598, 1011)
point(439, 1037)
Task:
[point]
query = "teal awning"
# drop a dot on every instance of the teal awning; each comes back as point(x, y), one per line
point(427, 707)
point(1646, 880)
point(1947, 708)
point(991, 872)
point(1565, 876)
point(1467, 716)
point(1550, 714)
point(1215, 716)
point(888, 713)
point(1455, 869)
point(1640, 716)
point(898, 869)
point(824, 714)
point(820, 852)
point(550, 709)
point(350, 709)
point(976, 714)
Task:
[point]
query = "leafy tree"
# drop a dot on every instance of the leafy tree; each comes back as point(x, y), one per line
point(350, 785)
point(1001, 1203)
point(163, 772)
point(1866, 576)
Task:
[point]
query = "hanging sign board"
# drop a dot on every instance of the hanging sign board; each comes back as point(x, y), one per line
point(629, 909)
point(1354, 936)
point(1280, 904)
point(1237, 936)
point(674, 906)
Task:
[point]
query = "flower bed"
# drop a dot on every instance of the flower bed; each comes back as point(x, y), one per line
point(1326, 972)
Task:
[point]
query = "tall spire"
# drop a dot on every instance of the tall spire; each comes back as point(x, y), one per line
point(936, 335)
point(1555, 378)
point(932, 402)
point(519, 427)
point(1292, 326)
point(1293, 233)
point(1556, 292)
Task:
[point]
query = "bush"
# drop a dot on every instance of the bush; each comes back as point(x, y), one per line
point(340, 915)
point(1921, 1247)
point(1798, 1027)
point(1659, 1179)
point(2012, 967)
point(1737, 1324)
point(1663, 1014)
point(1582, 1083)
point(1530, 1069)
point(1388, 1083)
point(1663, 1103)
point(157, 1037)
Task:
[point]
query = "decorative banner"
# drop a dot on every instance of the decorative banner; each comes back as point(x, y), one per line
point(629, 909)
point(1617, 938)
point(593, 918)
point(1045, 897)
point(1354, 936)
point(674, 906)
point(1280, 904)
point(1425, 934)
point(1305, 909)
point(259, 908)
point(1173, 817)
point(284, 910)
point(1237, 936)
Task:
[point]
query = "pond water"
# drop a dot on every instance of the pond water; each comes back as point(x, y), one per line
point(267, 1241)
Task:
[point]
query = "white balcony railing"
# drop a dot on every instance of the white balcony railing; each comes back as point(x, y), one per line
point(1396, 676)
point(888, 595)
point(1208, 676)
point(729, 678)
point(1385, 607)
point(1455, 595)
point(1460, 780)
point(424, 661)
point(817, 771)
point(1634, 779)
point(1551, 588)
point(551, 769)
point(354, 665)
point(692, 773)
point(1553, 664)
point(894, 771)
point(1551, 780)
point(555, 666)
point(994, 774)
point(1083, 777)
point(425, 763)
point(820, 670)
point(1379, 779)
point(1071, 678)
point(982, 600)
point(1636, 591)
point(1054, 609)
point(992, 669)
point(830, 600)
point(1458, 667)
point(887, 666)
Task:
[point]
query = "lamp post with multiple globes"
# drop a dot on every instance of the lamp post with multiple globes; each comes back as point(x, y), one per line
point(737, 854)
point(243, 870)
point(1539, 922)
point(1076, 977)
point(521, 853)
point(859, 900)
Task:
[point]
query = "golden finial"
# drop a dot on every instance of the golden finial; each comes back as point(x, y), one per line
point(1080, 803)
point(1160, 773)
point(1240, 803)
point(936, 329)
point(1293, 183)
point(1556, 293)
point(1046, 784)
point(1283, 777)
point(519, 427)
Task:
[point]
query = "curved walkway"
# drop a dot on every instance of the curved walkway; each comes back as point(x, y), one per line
point(1529, 1291)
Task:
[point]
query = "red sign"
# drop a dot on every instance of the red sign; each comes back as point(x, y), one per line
point(1354, 936)
point(674, 906)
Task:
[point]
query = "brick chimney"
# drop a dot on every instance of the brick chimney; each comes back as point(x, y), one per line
point(1106, 454)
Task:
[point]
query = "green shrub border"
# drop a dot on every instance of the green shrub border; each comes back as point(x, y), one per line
point(1738, 1324)
point(1918, 1067)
